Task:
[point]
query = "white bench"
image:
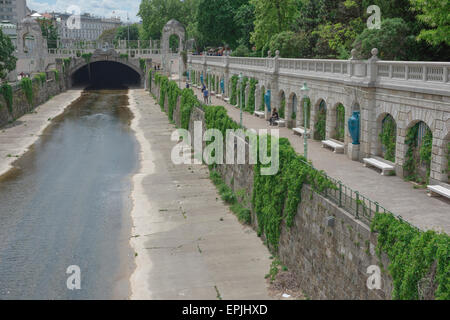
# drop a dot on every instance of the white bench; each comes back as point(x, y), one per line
point(384, 167)
point(259, 114)
point(219, 96)
point(199, 87)
point(435, 191)
point(227, 100)
point(281, 123)
point(301, 131)
point(213, 93)
point(337, 147)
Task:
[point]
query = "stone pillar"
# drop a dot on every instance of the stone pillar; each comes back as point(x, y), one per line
point(247, 93)
point(272, 75)
point(257, 98)
point(226, 76)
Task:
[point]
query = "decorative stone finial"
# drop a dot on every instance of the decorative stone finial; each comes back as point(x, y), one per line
point(374, 52)
point(269, 54)
point(353, 53)
point(277, 53)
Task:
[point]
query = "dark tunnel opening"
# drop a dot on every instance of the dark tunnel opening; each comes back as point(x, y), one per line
point(106, 75)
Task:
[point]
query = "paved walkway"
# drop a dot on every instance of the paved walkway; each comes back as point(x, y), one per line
point(393, 193)
point(188, 243)
point(17, 138)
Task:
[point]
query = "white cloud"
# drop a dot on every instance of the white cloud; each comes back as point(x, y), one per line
point(104, 8)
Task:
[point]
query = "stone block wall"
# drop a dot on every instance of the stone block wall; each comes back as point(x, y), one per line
point(330, 262)
point(41, 94)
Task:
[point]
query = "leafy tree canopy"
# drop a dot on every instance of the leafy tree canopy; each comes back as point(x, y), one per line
point(7, 59)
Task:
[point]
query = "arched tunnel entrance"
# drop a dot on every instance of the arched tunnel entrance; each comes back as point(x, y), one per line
point(106, 74)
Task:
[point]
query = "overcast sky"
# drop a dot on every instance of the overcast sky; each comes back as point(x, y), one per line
point(106, 8)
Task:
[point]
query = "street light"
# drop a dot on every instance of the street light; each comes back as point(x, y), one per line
point(240, 95)
point(305, 91)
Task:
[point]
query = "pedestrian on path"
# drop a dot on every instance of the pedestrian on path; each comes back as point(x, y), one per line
point(205, 95)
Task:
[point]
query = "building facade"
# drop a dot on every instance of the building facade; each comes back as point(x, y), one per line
point(90, 27)
point(13, 11)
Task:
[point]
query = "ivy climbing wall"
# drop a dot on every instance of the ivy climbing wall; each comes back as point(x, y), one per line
point(19, 99)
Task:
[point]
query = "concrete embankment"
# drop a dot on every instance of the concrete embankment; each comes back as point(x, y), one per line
point(188, 244)
point(18, 137)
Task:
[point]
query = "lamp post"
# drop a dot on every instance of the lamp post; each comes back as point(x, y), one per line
point(170, 71)
point(240, 96)
point(305, 91)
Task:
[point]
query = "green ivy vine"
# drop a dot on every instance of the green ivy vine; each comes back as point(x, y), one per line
point(56, 72)
point(66, 63)
point(340, 122)
point(276, 198)
point(412, 253)
point(173, 92)
point(6, 91)
point(27, 86)
point(187, 102)
point(41, 78)
point(250, 107)
point(233, 97)
point(142, 64)
point(388, 137)
point(282, 111)
point(320, 128)
point(87, 57)
point(423, 152)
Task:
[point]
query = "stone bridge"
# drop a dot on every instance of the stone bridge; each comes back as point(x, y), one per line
point(73, 64)
point(410, 93)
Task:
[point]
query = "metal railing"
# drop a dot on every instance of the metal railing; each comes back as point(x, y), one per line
point(359, 206)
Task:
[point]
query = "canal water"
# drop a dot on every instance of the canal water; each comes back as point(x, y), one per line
point(68, 205)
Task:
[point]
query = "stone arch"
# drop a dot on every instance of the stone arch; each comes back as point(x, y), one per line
point(337, 117)
point(109, 56)
point(173, 27)
point(418, 153)
point(320, 119)
point(386, 134)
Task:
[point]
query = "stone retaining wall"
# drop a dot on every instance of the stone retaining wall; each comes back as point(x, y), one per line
point(41, 94)
point(330, 262)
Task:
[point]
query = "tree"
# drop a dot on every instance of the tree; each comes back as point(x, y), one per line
point(244, 17)
point(7, 59)
point(393, 40)
point(49, 32)
point(122, 32)
point(216, 21)
point(434, 14)
point(291, 45)
point(108, 35)
point(272, 17)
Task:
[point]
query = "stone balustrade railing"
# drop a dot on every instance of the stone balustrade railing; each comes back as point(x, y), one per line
point(141, 53)
point(426, 77)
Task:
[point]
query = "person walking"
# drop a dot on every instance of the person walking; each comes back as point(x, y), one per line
point(205, 95)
